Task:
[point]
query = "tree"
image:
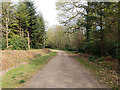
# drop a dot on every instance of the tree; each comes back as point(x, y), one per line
point(6, 18)
point(21, 18)
point(39, 33)
point(26, 17)
point(31, 21)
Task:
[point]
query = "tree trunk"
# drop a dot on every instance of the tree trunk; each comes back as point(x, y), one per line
point(7, 39)
point(88, 26)
point(20, 31)
point(22, 34)
point(119, 21)
point(28, 40)
point(7, 35)
point(118, 52)
point(101, 37)
point(44, 41)
point(69, 40)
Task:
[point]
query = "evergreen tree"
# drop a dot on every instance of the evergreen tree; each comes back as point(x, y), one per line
point(39, 33)
point(32, 18)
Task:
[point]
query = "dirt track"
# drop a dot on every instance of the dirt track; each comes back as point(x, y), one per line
point(63, 72)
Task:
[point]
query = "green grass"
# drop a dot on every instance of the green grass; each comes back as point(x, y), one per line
point(73, 52)
point(55, 48)
point(18, 76)
point(87, 64)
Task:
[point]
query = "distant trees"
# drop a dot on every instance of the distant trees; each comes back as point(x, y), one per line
point(21, 20)
point(58, 37)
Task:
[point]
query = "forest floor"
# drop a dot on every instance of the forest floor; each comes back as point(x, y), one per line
point(63, 72)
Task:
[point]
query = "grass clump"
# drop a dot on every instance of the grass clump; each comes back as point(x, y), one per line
point(21, 81)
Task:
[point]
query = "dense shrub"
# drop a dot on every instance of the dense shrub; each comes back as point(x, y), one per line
point(100, 59)
point(18, 43)
point(95, 59)
point(66, 47)
point(69, 48)
point(110, 48)
point(82, 47)
point(92, 47)
point(92, 58)
point(37, 45)
point(117, 50)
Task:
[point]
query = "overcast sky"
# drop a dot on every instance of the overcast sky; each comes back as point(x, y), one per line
point(48, 9)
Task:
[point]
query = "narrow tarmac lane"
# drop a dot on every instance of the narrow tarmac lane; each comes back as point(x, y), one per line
point(63, 72)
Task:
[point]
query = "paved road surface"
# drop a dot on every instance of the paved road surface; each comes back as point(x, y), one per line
point(63, 72)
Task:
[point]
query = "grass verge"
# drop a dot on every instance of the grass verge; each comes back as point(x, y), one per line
point(18, 76)
point(86, 64)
